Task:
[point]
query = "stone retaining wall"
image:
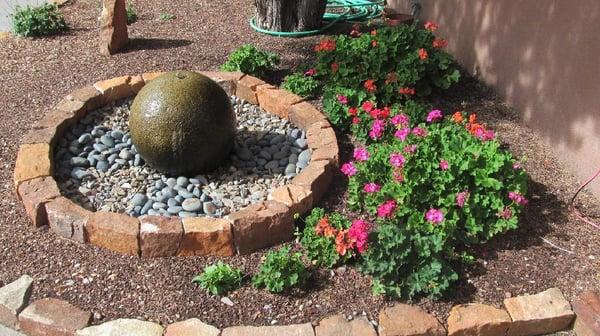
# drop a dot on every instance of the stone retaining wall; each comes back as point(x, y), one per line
point(257, 226)
point(528, 315)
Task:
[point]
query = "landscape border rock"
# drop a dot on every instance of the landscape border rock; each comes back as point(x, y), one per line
point(255, 227)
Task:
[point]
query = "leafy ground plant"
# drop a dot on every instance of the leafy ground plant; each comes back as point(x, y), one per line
point(43, 20)
point(281, 270)
point(301, 84)
point(131, 14)
point(436, 189)
point(251, 60)
point(166, 17)
point(219, 278)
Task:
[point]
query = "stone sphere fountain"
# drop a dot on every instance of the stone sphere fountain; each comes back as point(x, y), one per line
point(182, 123)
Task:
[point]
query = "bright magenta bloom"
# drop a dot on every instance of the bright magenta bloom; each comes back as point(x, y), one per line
point(444, 165)
point(371, 187)
point(359, 234)
point(361, 154)
point(410, 149)
point(461, 198)
point(400, 120)
point(434, 115)
point(434, 216)
point(397, 160)
point(402, 133)
point(386, 209)
point(349, 169)
point(342, 99)
point(517, 198)
point(377, 129)
point(310, 72)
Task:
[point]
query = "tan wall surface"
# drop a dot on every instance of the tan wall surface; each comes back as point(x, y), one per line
point(542, 56)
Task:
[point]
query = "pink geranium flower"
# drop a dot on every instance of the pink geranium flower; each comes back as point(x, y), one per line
point(444, 165)
point(461, 198)
point(434, 216)
point(402, 133)
point(386, 209)
point(506, 213)
point(371, 187)
point(410, 149)
point(359, 234)
point(434, 115)
point(361, 154)
point(367, 106)
point(377, 129)
point(400, 120)
point(310, 72)
point(342, 99)
point(420, 132)
point(397, 160)
point(349, 169)
point(517, 198)
point(489, 135)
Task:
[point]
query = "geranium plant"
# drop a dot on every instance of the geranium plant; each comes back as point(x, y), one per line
point(435, 189)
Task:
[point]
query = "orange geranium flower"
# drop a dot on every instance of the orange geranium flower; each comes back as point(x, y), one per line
point(423, 54)
point(343, 243)
point(473, 118)
point(323, 228)
point(326, 44)
point(370, 85)
point(431, 26)
point(457, 117)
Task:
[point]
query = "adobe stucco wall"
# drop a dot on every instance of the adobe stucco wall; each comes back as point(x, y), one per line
point(543, 57)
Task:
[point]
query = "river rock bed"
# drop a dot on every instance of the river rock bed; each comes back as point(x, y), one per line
point(99, 167)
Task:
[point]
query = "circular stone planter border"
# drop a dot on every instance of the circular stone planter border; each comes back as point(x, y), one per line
point(255, 227)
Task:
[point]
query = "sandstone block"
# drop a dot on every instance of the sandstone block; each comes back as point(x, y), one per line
point(406, 320)
point(35, 194)
point(304, 114)
point(113, 27)
point(67, 219)
point(122, 327)
point(52, 317)
point(477, 319)
point(337, 325)
point(114, 231)
point(13, 299)
point(32, 161)
point(542, 313)
point(116, 88)
point(246, 88)
point(261, 225)
point(276, 101)
point(191, 327)
point(206, 236)
point(289, 330)
point(587, 309)
point(160, 236)
point(298, 199)
point(317, 177)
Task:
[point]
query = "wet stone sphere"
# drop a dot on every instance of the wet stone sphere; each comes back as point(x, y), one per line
point(182, 123)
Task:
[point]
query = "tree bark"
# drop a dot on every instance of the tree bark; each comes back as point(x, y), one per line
point(289, 15)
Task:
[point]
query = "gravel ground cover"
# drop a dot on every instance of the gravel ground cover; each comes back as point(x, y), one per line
point(99, 167)
point(36, 74)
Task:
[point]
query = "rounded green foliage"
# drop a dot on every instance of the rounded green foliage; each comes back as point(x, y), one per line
point(281, 270)
point(219, 278)
point(182, 123)
point(251, 60)
point(300, 84)
point(436, 190)
point(131, 14)
point(43, 20)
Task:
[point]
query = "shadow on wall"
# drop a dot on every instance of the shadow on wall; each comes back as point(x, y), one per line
point(542, 56)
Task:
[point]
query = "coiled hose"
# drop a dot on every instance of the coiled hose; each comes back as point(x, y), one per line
point(351, 11)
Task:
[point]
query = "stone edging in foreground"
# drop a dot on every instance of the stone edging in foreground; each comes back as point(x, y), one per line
point(526, 315)
point(252, 228)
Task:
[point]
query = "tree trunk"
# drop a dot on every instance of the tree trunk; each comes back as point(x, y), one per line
point(289, 15)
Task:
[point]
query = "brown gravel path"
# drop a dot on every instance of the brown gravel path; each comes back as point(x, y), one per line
point(35, 74)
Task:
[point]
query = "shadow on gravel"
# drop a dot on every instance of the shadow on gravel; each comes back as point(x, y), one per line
point(154, 44)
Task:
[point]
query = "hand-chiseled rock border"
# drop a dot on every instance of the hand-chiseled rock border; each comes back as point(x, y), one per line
point(257, 226)
point(528, 315)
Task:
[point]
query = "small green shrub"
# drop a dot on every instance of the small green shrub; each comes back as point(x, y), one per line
point(281, 270)
point(436, 189)
point(220, 278)
point(300, 84)
point(131, 14)
point(43, 20)
point(251, 60)
point(166, 17)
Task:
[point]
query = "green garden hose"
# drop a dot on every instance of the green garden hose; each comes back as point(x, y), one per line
point(352, 11)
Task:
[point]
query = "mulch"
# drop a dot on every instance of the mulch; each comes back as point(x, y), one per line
point(36, 73)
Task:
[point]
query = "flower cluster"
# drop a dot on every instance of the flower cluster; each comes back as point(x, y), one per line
point(476, 129)
point(326, 45)
point(346, 240)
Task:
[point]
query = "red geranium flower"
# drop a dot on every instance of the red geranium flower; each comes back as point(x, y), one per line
point(440, 43)
point(367, 106)
point(407, 91)
point(355, 120)
point(334, 67)
point(370, 85)
point(391, 78)
point(423, 54)
point(374, 43)
point(353, 111)
point(326, 45)
point(431, 26)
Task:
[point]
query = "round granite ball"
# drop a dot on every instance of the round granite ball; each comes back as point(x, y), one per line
point(182, 123)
